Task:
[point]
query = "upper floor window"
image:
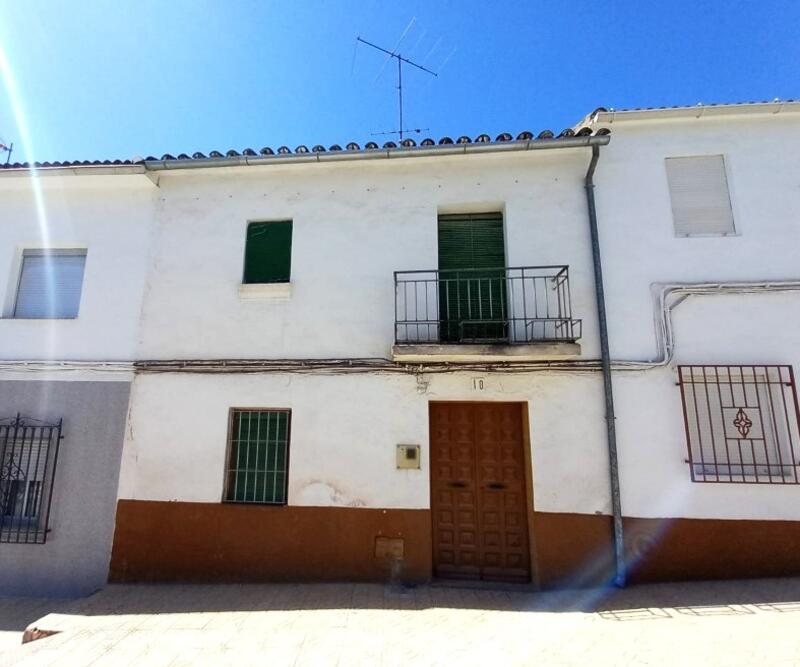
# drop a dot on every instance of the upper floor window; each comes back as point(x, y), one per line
point(741, 423)
point(268, 252)
point(472, 278)
point(698, 190)
point(50, 284)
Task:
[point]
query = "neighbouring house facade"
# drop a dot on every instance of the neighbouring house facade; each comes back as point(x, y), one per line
point(74, 259)
point(390, 363)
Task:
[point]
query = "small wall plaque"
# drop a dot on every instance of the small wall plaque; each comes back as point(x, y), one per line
point(408, 457)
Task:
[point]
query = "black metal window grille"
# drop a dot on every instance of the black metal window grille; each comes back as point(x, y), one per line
point(507, 305)
point(28, 457)
point(258, 457)
point(741, 423)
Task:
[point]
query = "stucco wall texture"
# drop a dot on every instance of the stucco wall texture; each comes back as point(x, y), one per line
point(109, 216)
point(75, 558)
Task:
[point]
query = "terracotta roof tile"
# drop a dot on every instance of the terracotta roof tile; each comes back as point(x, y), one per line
point(351, 146)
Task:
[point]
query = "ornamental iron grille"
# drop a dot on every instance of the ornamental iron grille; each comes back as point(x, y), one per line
point(742, 423)
point(28, 456)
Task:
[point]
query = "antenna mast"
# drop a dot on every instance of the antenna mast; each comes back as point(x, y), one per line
point(400, 61)
point(8, 149)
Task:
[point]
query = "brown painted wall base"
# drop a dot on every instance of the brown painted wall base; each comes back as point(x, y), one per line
point(678, 549)
point(575, 550)
point(572, 550)
point(176, 541)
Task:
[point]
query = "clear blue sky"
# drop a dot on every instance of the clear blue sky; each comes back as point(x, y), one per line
point(103, 79)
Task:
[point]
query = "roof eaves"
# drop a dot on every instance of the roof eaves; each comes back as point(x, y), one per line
point(407, 148)
point(700, 110)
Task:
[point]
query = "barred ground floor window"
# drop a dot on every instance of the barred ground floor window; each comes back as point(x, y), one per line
point(28, 457)
point(258, 456)
point(741, 423)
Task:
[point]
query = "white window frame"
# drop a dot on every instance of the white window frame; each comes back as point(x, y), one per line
point(728, 186)
point(19, 267)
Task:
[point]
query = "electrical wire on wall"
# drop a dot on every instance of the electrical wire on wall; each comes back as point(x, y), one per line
point(668, 296)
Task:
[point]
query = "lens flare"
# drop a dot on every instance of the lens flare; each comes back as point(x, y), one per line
point(26, 146)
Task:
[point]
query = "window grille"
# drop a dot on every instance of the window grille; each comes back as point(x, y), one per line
point(50, 284)
point(28, 456)
point(258, 457)
point(741, 423)
point(698, 190)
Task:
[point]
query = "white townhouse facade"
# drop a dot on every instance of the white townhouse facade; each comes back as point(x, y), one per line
point(74, 248)
point(699, 212)
point(390, 363)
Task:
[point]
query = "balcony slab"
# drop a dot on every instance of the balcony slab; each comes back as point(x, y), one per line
point(484, 353)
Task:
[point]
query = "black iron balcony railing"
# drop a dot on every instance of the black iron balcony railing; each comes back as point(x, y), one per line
point(507, 305)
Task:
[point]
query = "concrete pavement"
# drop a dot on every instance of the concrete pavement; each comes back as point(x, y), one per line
point(709, 623)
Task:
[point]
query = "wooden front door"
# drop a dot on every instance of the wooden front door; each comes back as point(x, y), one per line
point(478, 492)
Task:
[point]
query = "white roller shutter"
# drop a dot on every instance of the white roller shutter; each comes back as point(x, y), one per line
point(698, 189)
point(50, 284)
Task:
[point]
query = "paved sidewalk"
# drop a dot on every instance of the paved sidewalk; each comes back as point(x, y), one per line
point(17, 613)
point(712, 623)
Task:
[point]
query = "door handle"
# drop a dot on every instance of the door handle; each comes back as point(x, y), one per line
point(496, 485)
point(457, 485)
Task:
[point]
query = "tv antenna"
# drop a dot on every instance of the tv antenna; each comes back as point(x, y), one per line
point(400, 61)
point(6, 148)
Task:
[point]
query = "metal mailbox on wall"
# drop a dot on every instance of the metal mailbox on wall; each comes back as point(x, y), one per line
point(408, 457)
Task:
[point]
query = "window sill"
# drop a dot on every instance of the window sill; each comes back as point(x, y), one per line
point(259, 503)
point(265, 291)
point(38, 319)
point(708, 235)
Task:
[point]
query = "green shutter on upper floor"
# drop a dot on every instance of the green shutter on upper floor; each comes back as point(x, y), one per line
point(268, 252)
point(471, 241)
point(472, 285)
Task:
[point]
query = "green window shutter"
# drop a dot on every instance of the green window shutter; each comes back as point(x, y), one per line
point(473, 241)
point(259, 454)
point(268, 252)
point(472, 288)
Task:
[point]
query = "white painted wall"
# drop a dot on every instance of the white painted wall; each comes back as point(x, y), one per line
point(344, 432)
point(742, 329)
point(762, 155)
point(355, 223)
point(110, 216)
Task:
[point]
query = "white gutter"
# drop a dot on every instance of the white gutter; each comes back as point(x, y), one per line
point(74, 170)
point(312, 157)
point(611, 116)
point(380, 153)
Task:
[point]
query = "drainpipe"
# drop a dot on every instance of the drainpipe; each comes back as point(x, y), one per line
point(611, 431)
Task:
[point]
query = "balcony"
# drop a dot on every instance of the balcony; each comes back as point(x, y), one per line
point(487, 315)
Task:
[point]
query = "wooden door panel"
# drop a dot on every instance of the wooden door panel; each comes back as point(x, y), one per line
point(480, 527)
point(455, 528)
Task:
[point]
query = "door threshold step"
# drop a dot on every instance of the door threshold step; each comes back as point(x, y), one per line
point(483, 585)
